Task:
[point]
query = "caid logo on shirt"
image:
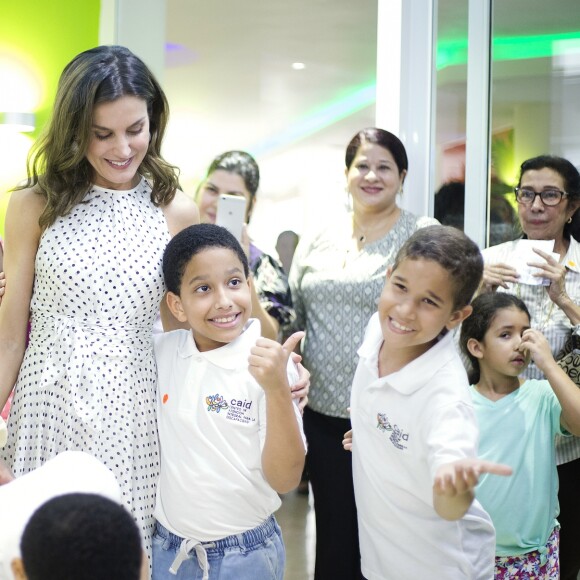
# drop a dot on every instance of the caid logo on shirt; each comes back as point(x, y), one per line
point(237, 409)
point(397, 434)
point(216, 403)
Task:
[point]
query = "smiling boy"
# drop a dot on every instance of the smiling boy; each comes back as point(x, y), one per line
point(415, 443)
point(231, 437)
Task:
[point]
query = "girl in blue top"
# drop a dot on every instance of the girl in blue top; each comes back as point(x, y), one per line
point(518, 422)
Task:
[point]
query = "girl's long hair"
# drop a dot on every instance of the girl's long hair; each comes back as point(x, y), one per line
point(476, 325)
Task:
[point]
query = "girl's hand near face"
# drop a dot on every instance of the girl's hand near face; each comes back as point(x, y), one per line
point(495, 275)
point(537, 345)
point(552, 270)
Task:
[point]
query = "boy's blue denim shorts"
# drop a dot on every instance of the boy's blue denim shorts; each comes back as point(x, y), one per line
point(256, 554)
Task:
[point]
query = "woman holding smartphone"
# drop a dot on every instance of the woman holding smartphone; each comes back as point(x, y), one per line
point(236, 173)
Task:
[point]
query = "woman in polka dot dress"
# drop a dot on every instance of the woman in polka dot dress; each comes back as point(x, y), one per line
point(84, 244)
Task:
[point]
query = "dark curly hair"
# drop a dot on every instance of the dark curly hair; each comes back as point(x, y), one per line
point(191, 241)
point(81, 536)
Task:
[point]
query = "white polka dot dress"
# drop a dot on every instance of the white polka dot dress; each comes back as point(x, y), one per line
point(88, 378)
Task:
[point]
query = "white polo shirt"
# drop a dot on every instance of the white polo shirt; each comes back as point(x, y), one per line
point(212, 429)
point(405, 426)
point(68, 472)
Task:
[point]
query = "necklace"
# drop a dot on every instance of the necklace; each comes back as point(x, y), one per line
point(543, 324)
point(362, 234)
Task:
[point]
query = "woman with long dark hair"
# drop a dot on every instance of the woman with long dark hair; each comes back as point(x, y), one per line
point(84, 245)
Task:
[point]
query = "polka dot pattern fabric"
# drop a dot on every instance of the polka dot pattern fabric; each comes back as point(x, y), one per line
point(88, 378)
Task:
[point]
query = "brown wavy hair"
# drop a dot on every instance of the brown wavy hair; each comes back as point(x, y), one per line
point(57, 163)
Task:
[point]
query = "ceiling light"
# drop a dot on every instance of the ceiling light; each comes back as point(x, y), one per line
point(298, 66)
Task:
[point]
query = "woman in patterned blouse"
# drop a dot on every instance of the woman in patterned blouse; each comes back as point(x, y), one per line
point(336, 278)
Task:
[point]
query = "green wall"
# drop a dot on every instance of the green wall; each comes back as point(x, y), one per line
point(46, 34)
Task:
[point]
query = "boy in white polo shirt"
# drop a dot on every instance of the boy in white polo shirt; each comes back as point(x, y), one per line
point(415, 433)
point(231, 436)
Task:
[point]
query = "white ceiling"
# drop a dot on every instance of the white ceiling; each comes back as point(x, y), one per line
point(231, 85)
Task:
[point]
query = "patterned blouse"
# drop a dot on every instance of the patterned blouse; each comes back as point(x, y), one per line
point(335, 290)
point(547, 318)
point(271, 286)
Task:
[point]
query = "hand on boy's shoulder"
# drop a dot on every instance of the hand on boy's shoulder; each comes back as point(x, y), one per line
point(269, 360)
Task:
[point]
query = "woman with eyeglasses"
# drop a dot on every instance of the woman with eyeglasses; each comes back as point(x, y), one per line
point(548, 196)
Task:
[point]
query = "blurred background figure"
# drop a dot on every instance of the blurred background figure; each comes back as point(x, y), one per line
point(286, 246)
point(68, 472)
point(450, 210)
point(80, 536)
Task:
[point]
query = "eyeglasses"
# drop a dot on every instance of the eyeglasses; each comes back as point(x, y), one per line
point(548, 196)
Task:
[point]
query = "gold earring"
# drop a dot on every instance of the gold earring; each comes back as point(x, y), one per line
point(569, 220)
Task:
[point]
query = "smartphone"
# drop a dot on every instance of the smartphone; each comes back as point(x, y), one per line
point(231, 213)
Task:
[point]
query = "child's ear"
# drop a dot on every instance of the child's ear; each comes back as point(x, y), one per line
point(458, 317)
point(175, 306)
point(474, 347)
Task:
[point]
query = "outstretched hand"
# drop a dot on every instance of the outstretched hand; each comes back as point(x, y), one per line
point(461, 476)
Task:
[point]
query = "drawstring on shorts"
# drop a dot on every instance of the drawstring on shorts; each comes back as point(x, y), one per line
point(183, 554)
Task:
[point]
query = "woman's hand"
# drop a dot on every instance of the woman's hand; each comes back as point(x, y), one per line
point(495, 275)
point(552, 270)
point(2, 285)
point(347, 441)
point(301, 387)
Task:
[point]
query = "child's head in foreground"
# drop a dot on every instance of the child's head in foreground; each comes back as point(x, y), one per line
point(80, 536)
point(429, 288)
point(207, 277)
point(494, 332)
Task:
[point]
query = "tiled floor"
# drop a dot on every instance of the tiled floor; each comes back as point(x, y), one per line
point(296, 518)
